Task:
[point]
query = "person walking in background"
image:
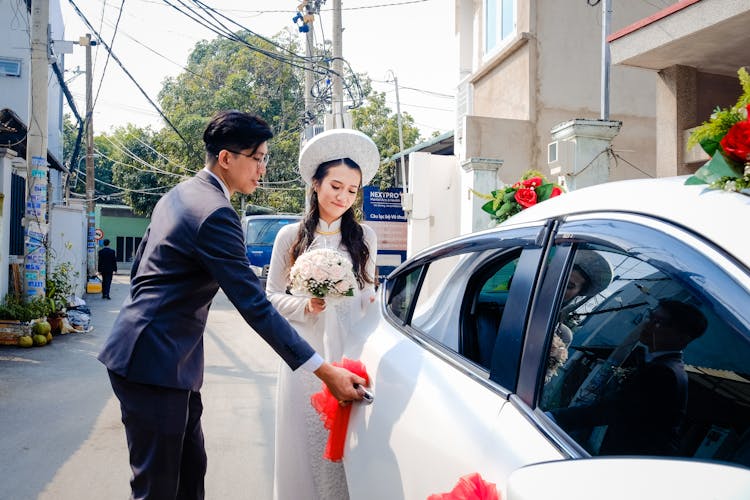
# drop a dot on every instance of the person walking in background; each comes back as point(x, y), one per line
point(107, 267)
point(154, 353)
point(334, 164)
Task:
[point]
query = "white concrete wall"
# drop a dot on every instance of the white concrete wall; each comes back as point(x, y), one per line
point(15, 91)
point(15, 44)
point(548, 74)
point(67, 237)
point(434, 184)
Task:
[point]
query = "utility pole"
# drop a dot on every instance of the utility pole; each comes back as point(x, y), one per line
point(606, 21)
point(337, 95)
point(310, 10)
point(35, 251)
point(90, 187)
point(406, 202)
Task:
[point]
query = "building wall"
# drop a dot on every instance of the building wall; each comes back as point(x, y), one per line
point(118, 221)
point(434, 217)
point(15, 44)
point(551, 73)
point(14, 91)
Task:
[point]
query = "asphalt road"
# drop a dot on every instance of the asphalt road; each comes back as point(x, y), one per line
point(61, 435)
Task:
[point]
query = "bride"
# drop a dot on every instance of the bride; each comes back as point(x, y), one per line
point(334, 164)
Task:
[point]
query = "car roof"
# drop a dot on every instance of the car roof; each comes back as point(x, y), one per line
point(719, 216)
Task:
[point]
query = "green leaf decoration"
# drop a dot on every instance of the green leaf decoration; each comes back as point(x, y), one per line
point(543, 192)
point(716, 168)
point(711, 144)
point(489, 207)
point(507, 207)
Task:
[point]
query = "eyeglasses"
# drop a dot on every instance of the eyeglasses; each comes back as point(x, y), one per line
point(262, 162)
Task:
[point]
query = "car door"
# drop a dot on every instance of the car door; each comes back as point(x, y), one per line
point(591, 395)
point(429, 351)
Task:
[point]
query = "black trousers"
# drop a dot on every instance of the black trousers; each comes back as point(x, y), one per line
point(106, 284)
point(165, 440)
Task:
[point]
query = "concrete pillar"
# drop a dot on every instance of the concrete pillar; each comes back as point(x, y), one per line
point(581, 157)
point(676, 111)
point(479, 174)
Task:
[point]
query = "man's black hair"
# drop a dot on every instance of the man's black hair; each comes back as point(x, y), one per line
point(686, 317)
point(235, 130)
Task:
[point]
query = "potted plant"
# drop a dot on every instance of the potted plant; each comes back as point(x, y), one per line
point(16, 313)
point(60, 286)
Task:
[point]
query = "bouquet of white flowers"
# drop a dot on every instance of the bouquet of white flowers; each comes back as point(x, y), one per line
point(322, 273)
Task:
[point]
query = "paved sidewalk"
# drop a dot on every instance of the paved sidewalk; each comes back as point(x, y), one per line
point(62, 435)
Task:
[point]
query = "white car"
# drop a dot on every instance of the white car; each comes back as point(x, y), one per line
point(612, 322)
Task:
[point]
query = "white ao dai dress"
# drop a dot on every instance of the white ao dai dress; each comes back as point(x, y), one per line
point(300, 471)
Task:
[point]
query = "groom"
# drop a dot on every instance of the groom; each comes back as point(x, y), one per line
point(154, 354)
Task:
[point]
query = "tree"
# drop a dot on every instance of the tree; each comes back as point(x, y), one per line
point(248, 73)
point(225, 74)
point(104, 191)
point(376, 120)
point(141, 171)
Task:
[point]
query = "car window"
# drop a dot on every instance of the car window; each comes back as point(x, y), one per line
point(456, 298)
point(646, 358)
point(487, 301)
point(263, 231)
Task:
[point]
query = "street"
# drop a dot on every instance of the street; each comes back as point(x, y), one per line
point(61, 432)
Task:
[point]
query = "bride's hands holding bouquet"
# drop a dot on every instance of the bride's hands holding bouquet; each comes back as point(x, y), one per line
point(315, 305)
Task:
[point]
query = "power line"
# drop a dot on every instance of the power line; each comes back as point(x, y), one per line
point(106, 61)
point(117, 60)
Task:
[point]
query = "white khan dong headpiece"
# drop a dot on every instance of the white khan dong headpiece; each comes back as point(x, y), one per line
point(337, 144)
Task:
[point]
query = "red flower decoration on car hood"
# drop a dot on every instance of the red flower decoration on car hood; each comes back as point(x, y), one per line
point(526, 197)
point(736, 143)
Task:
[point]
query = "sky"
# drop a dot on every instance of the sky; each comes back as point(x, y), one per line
point(412, 38)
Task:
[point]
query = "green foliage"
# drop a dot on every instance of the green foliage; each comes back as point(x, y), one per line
point(106, 192)
point(60, 285)
point(223, 74)
point(138, 165)
point(724, 170)
point(710, 132)
point(376, 120)
point(16, 307)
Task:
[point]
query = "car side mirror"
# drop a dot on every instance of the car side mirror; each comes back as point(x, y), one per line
point(628, 479)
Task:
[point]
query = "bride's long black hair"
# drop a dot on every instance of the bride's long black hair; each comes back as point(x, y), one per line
point(352, 235)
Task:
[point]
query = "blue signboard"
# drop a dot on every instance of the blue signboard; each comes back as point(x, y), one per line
point(383, 213)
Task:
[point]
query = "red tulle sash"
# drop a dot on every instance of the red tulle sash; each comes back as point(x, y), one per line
point(335, 418)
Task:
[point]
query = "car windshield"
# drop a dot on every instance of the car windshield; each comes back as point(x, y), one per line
point(263, 231)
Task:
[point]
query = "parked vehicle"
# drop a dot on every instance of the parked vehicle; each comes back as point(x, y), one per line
point(260, 233)
point(476, 350)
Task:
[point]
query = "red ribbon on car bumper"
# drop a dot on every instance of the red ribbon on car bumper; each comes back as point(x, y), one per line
point(335, 418)
point(469, 487)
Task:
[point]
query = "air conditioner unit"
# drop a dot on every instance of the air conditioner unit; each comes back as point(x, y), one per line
point(561, 157)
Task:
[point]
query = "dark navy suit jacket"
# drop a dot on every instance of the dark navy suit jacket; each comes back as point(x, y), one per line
point(193, 247)
point(107, 261)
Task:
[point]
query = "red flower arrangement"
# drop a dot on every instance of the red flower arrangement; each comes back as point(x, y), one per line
point(726, 139)
point(533, 188)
